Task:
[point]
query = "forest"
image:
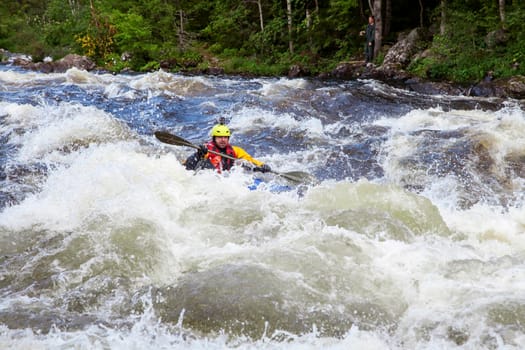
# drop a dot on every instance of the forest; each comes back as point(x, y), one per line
point(466, 38)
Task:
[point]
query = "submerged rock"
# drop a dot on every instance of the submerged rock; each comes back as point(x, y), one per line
point(252, 301)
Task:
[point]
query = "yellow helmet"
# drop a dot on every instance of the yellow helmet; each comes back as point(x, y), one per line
point(220, 130)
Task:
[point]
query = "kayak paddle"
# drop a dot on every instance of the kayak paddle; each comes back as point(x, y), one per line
point(294, 176)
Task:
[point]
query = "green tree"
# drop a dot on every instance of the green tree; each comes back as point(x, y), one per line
point(338, 30)
point(229, 25)
point(20, 26)
point(476, 35)
point(133, 35)
point(63, 22)
point(472, 42)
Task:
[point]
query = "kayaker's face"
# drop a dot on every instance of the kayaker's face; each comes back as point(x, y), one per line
point(222, 141)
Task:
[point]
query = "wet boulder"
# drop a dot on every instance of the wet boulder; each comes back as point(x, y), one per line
point(60, 66)
point(433, 87)
point(4, 55)
point(252, 300)
point(496, 38)
point(297, 71)
point(214, 71)
point(168, 64)
point(73, 60)
point(7, 57)
point(513, 87)
point(348, 70)
point(516, 87)
point(409, 44)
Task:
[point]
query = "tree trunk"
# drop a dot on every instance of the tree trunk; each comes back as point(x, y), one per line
point(181, 29)
point(259, 7)
point(308, 26)
point(289, 15)
point(261, 18)
point(421, 12)
point(94, 16)
point(72, 6)
point(362, 9)
point(308, 19)
point(443, 24)
point(502, 11)
point(379, 27)
point(388, 18)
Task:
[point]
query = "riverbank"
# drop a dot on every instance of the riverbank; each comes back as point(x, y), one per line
point(392, 71)
point(512, 87)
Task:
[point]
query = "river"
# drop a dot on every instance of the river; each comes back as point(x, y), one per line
point(413, 237)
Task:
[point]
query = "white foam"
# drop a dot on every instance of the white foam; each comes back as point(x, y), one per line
point(17, 78)
point(250, 119)
point(279, 88)
point(161, 82)
point(497, 133)
point(80, 76)
point(49, 128)
point(112, 207)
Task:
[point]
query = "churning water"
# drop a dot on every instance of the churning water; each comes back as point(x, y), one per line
point(414, 237)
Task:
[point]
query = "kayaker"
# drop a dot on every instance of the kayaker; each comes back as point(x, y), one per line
point(220, 142)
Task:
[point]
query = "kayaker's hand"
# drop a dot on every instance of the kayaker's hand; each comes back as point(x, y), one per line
point(202, 151)
point(265, 168)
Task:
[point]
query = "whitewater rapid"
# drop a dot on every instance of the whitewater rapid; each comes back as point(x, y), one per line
point(412, 239)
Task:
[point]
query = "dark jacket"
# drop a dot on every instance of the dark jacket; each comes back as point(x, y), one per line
point(370, 33)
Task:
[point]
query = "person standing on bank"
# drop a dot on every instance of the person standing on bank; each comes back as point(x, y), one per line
point(220, 143)
point(370, 34)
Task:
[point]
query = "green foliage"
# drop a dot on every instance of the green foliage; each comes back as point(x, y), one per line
point(336, 33)
point(15, 34)
point(64, 22)
point(138, 34)
point(341, 15)
point(17, 29)
point(133, 36)
point(240, 65)
point(97, 41)
point(228, 53)
point(114, 63)
point(131, 30)
point(268, 42)
point(216, 48)
point(150, 66)
point(466, 54)
point(191, 59)
point(516, 44)
point(228, 24)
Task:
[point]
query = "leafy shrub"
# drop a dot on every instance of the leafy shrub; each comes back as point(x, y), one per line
point(114, 63)
point(216, 48)
point(191, 59)
point(240, 65)
point(150, 66)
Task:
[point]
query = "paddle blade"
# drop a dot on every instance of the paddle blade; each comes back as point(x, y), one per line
point(171, 139)
point(299, 177)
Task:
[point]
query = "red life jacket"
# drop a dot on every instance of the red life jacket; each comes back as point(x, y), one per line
point(220, 163)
